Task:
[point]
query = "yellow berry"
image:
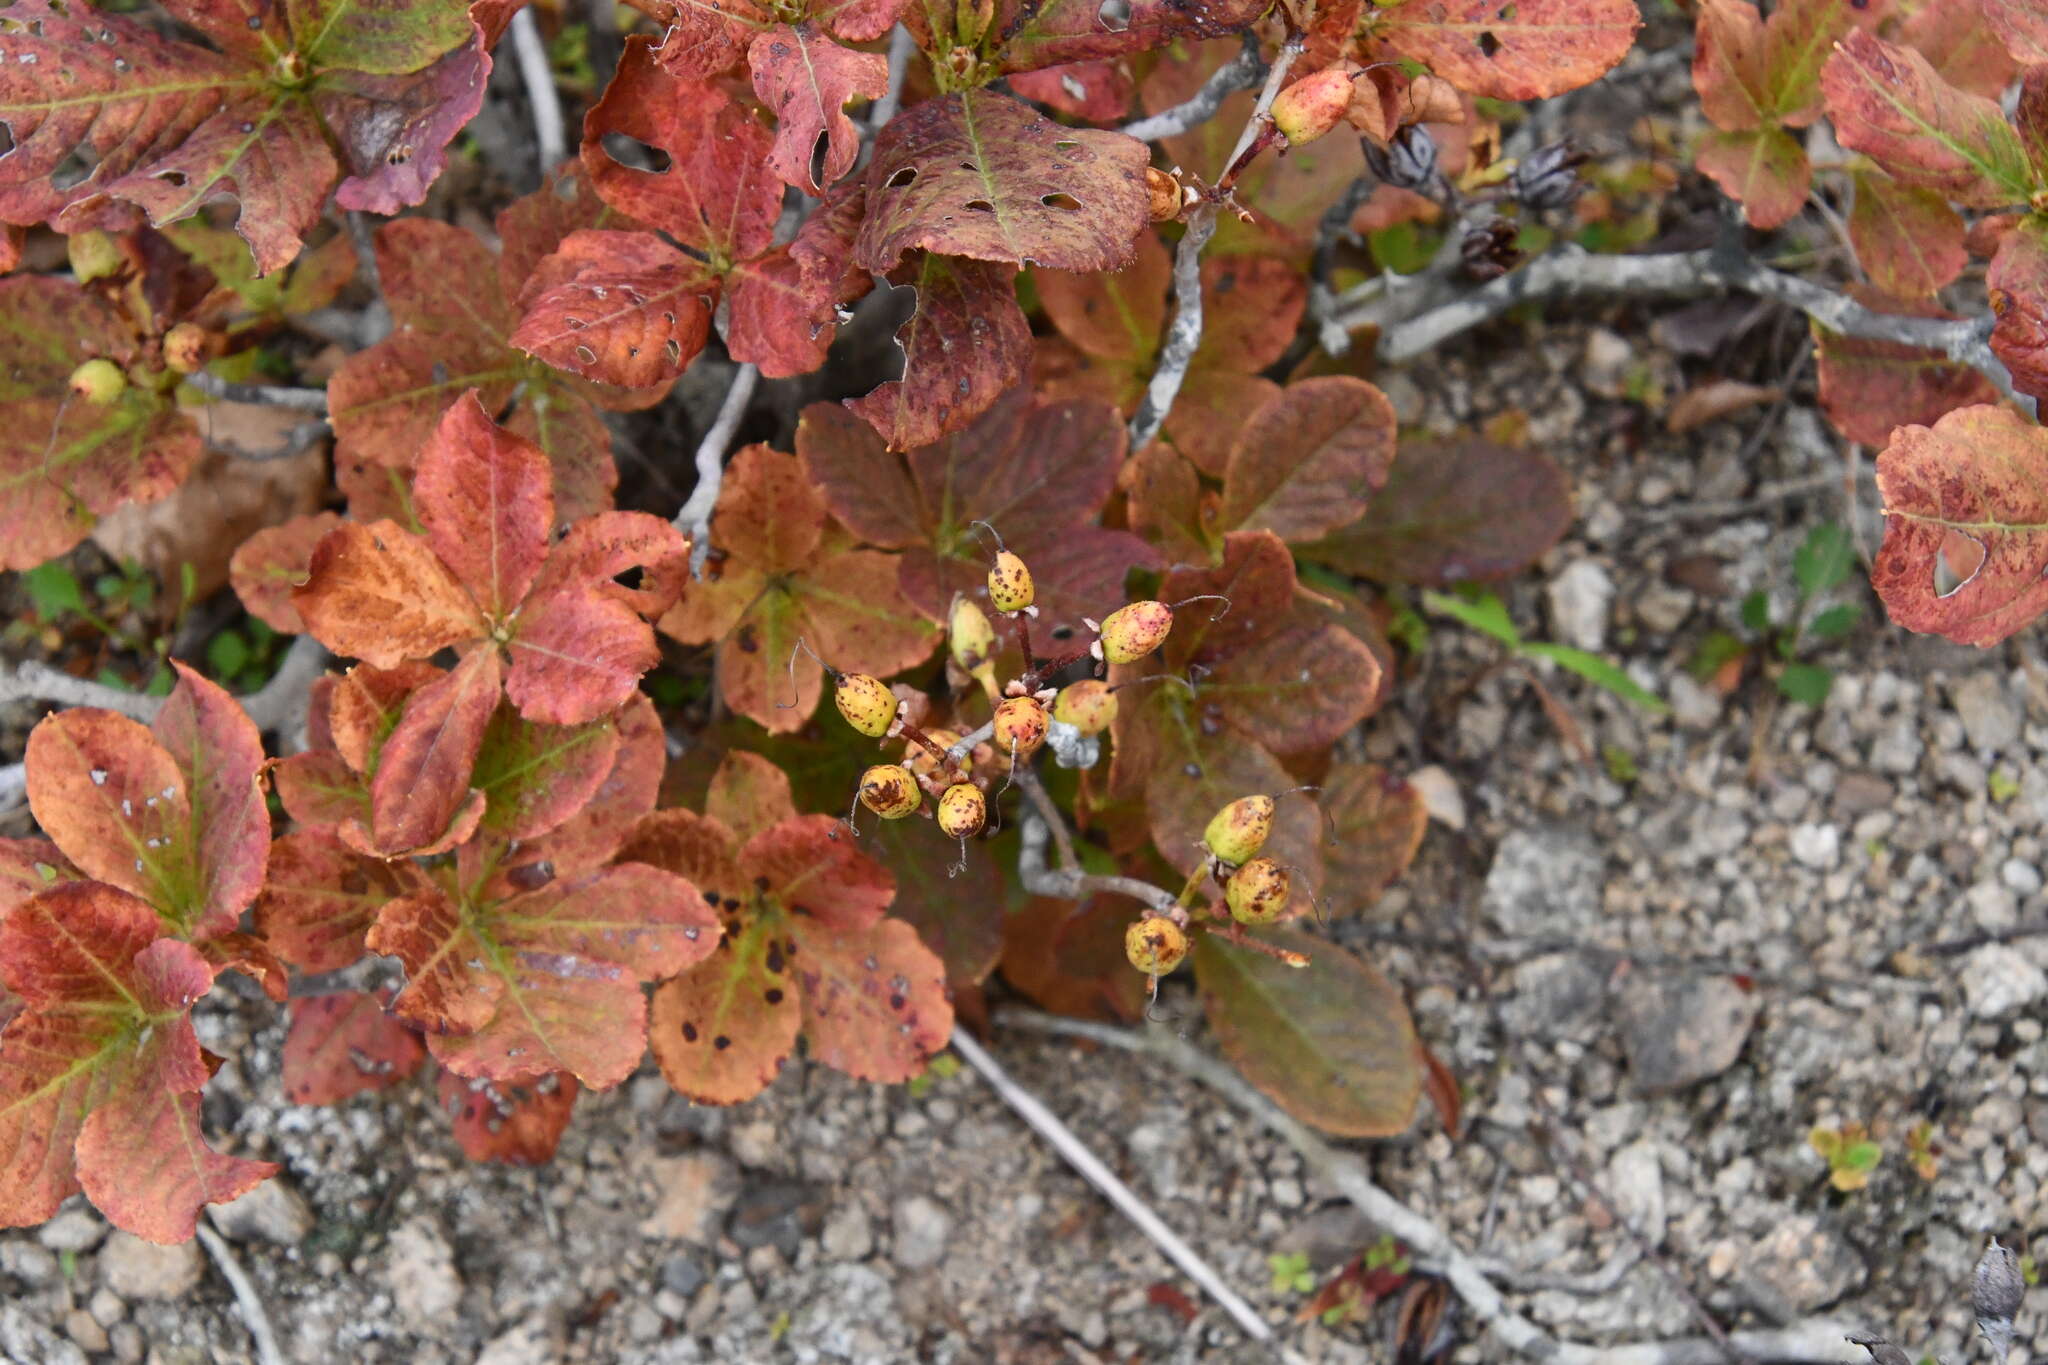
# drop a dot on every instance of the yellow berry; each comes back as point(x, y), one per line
point(919, 760)
point(963, 810)
point(969, 636)
point(1020, 725)
point(1155, 945)
point(1238, 831)
point(867, 703)
point(1259, 891)
point(1009, 583)
point(186, 347)
point(1132, 631)
point(94, 256)
point(98, 381)
point(1088, 705)
point(890, 791)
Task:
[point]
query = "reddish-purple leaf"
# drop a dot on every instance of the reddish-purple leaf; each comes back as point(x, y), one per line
point(1094, 92)
point(2018, 284)
point(722, 1031)
point(322, 897)
point(1890, 104)
point(1307, 463)
point(344, 1044)
point(1956, 39)
point(2021, 26)
point(219, 753)
point(270, 564)
point(622, 308)
point(1909, 239)
point(1376, 825)
point(513, 1123)
point(1057, 32)
point(811, 867)
point(965, 346)
point(1530, 50)
point(378, 593)
point(486, 505)
point(805, 79)
point(1764, 169)
point(1869, 387)
point(422, 783)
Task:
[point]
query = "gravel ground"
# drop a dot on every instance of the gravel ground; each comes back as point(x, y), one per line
point(1742, 894)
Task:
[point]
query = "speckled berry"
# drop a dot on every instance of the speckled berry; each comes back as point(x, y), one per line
point(1239, 830)
point(1259, 891)
point(98, 381)
point(1009, 583)
point(1132, 631)
point(969, 637)
point(1088, 705)
point(1020, 725)
point(890, 791)
point(1155, 945)
point(186, 347)
point(963, 810)
point(867, 703)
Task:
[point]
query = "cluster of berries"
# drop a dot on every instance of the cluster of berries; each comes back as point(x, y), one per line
point(1256, 889)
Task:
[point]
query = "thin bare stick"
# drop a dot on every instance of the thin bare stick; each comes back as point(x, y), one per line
point(270, 706)
point(538, 77)
point(1072, 884)
point(270, 395)
point(246, 1298)
point(1041, 801)
point(1241, 72)
point(1814, 1340)
point(963, 746)
point(694, 520)
point(1077, 1154)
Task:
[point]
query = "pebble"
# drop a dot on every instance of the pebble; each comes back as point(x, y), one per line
point(1799, 1265)
point(1997, 980)
point(74, 1229)
point(34, 1265)
point(922, 1229)
point(1580, 599)
point(1986, 708)
point(1607, 360)
point(696, 1191)
point(80, 1327)
point(1559, 996)
point(136, 1269)
point(1440, 795)
point(1680, 1030)
point(848, 1235)
point(1817, 846)
point(532, 1342)
point(770, 1215)
point(1545, 880)
point(2021, 876)
point(419, 1270)
point(1693, 706)
point(272, 1212)
point(23, 1338)
point(1635, 1181)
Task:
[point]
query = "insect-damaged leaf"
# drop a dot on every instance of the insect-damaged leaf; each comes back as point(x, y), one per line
point(981, 175)
point(1038, 472)
point(2018, 285)
point(1976, 474)
point(1529, 50)
point(1305, 464)
point(171, 814)
point(700, 40)
point(344, 1044)
point(1454, 509)
point(806, 80)
point(168, 126)
point(965, 346)
point(378, 593)
point(720, 1033)
point(100, 1072)
point(1331, 1043)
point(513, 1123)
point(64, 461)
point(781, 580)
point(1869, 387)
point(1909, 239)
point(1889, 103)
point(622, 308)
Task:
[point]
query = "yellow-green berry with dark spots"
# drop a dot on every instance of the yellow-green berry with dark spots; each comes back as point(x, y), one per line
point(98, 381)
point(1259, 891)
point(1009, 583)
point(969, 636)
point(1238, 831)
point(867, 703)
point(1019, 726)
point(1088, 705)
point(890, 791)
point(1155, 945)
point(1134, 630)
point(963, 810)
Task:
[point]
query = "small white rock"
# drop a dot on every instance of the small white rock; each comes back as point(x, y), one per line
point(136, 1269)
point(1580, 598)
point(1817, 846)
point(2022, 876)
point(1440, 795)
point(1997, 980)
point(419, 1270)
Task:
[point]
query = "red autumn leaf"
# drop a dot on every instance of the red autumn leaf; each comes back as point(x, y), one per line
point(784, 579)
point(749, 794)
point(1765, 170)
point(512, 981)
point(537, 777)
point(1527, 51)
point(805, 79)
point(1038, 472)
point(65, 462)
point(280, 107)
point(1452, 510)
point(1960, 43)
point(345, 1044)
point(1036, 35)
point(170, 813)
point(2018, 285)
point(1070, 959)
point(1909, 239)
point(483, 575)
point(2021, 26)
point(980, 175)
point(1306, 464)
point(1376, 825)
point(807, 949)
point(1869, 387)
point(954, 897)
point(1889, 103)
point(589, 838)
point(619, 307)
point(1331, 1043)
point(1166, 504)
point(1094, 92)
point(1975, 474)
point(1728, 65)
point(268, 565)
point(28, 866)
point(322, 897)
point(513, 1123)
point(421, 791)
point(700, 41)
point(966, 345)
point(100, 1072)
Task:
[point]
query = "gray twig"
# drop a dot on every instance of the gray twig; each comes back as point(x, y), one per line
point(694, 520)
point(1241, 72)
point(270, 395)
point(13, 788)
point(246, 1298)
point(902, 47)
point(1077, 1154)
point(270, 706)
point(1072, 884)
point(538, 76)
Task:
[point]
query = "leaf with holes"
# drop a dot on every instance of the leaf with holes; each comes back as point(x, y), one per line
point(621, 308)
point(1869, 387)
point(1975, 476)
point(345, 1044)
point(283, 107)
point(1526, 51)
point(966, 345)
point(1765, 170)
point(170, 813)
point(806, 79)
point(31, 865)
point(1453, 510)
point(784, 577)
point(100, 1071)
point(1331, 1043)
point(1307, 463)
point(66, 461)
point(1889, 103)
point(1909, 239)
point(512, 1123)
point(983, 176)
point(1039, 473)
point(700, 40)
point(1376, 825)
point(2018, 285)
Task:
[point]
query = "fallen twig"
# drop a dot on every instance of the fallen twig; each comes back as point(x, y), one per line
point(271, 706)
point(538, 77)
point(1241, 72)
point(246, 1298)
point(270, 395)
point(1077, 1154)
point(694, 520)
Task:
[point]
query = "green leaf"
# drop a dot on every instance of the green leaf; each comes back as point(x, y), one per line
point(1860, 1156)
point(1714, 652)
point(1806, 683)
point(53, 589)
point(227, 654)
point(1482, 611)
point(1824, 561)
point(1596, 670)
point(1756, 611)
point(1835, 622)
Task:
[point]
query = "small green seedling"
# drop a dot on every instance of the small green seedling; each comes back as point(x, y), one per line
point(1484, 612)
point(1822, 563)
point(1292, 1273)
point(1850, 1153)
point(943, 1067)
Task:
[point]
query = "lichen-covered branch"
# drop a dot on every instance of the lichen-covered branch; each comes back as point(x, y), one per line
point(273, 706)
point(270, 395)
point(1072, 884)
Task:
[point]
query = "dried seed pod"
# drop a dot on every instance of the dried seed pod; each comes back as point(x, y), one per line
point(1238, 831)
point(98, 381)
point(1132, 631)
point(1313, 105)
point(1259, 891)
point(1408, 162)
point(867, 703)
point(187, 347)
point(1009, 583)
point(1019, 726)
point(1155, 945)
point(963, 810)
point(969, 636)
point(1548, 178)
point(890, 791)
point(1088, 705)
point(1489, 251)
